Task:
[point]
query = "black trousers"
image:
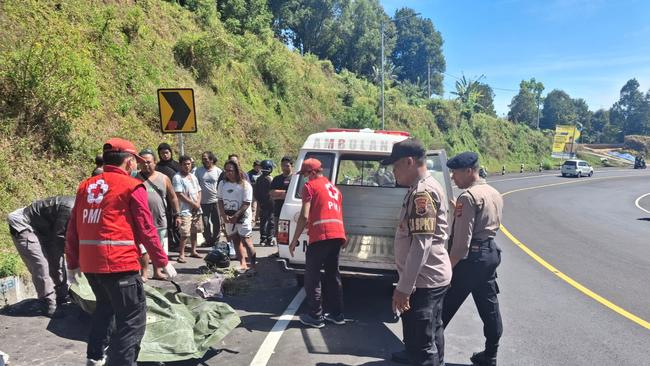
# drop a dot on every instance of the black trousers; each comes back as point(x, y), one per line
point(120, 317)
point(266, 221)
point(211, 224)
point(422, 327)
point(477, 275)
point(323, 254)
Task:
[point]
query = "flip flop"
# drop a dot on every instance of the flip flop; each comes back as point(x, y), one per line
point(181, 260)
point(196, 255)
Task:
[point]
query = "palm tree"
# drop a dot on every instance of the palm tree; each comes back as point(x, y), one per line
point(468, 94)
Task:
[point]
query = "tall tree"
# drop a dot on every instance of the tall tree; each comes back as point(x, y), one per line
point(558, 109)
point(360, 32)
point(486, 99)
point(631, 112)
point(418, 50)
point(241, 16)
point(524, 107)
point(583, 118)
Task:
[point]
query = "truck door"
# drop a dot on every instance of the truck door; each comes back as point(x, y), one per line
point(437, 167)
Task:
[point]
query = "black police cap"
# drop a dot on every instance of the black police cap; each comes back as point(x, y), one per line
point(463, 160)
point(403, 149)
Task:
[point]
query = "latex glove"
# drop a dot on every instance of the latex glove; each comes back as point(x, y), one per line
point(170, 271)
point(73, 275)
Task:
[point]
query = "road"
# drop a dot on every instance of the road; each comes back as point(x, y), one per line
point(587, 304)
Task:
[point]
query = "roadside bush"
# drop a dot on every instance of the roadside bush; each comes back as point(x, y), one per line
point(45, 85)
point(10, 265)
point(203, 52)
point(360, 116)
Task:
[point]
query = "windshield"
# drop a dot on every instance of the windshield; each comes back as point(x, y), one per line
point(364, 171)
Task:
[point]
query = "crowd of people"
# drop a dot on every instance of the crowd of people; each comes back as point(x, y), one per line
point(135, 208)
point(188, 200)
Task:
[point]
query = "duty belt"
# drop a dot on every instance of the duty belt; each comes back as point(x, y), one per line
point(476, 244)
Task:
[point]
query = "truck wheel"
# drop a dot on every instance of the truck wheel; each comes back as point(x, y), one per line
point(591, 173)
point(564, 174)
point(579, 175)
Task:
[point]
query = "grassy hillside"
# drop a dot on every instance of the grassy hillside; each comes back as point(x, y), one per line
point(76, 72)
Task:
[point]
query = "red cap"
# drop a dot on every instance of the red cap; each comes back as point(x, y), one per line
point(122, 145)
point(309, 165)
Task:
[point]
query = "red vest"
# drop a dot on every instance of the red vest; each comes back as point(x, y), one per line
point(326, 211)
point(103, 221)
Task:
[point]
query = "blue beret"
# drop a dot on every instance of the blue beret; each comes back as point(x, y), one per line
point(463, 160)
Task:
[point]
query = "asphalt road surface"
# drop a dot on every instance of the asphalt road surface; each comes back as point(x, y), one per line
point(574, 291)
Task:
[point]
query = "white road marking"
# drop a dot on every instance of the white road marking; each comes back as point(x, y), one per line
point(639, 206)
point(268, 346)
point(557, 174)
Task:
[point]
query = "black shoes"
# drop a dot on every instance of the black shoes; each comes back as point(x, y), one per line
point(481, 359)
point(310, 321)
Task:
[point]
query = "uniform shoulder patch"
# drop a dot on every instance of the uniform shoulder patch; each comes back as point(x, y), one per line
point(422, 215)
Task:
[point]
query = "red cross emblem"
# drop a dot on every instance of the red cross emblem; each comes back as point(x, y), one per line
point(332, 191)
point(96, 191)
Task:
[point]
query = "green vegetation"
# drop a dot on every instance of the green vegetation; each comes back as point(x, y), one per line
point(74, 73)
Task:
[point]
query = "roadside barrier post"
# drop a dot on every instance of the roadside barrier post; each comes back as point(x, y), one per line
point(503, 170)
point(540, 167)
point(521, 168)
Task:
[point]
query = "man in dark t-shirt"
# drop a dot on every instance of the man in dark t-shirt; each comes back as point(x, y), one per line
point(279, 187)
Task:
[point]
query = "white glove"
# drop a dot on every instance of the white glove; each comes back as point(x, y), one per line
point(169, 270)
point(73, 275)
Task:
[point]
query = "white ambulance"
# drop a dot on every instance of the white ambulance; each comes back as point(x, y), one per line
point(371, 199)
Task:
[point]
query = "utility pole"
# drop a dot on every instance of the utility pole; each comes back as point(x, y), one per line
point(383, 29)
point(428, 79)
point(382, 77)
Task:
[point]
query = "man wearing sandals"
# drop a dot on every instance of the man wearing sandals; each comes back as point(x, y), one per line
point(188, 191)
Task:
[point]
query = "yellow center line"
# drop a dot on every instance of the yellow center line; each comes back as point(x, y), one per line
point(563, 276)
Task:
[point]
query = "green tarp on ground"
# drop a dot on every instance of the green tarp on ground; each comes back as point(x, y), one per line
point(179, 326)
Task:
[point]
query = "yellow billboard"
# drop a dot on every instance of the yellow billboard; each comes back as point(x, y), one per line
point(564, 141)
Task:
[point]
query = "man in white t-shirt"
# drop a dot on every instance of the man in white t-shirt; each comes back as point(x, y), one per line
point(188, 190)
point(235, 196)
point(208, 176)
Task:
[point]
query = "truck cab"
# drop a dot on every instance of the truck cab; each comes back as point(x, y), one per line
point(371, 198)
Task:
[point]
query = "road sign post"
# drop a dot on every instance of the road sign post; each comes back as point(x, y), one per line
point(177, 113)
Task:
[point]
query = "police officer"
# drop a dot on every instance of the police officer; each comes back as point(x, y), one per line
point(422, 262)
point(474, 254)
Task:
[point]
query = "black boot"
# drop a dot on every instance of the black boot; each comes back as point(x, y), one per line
point(482, 359)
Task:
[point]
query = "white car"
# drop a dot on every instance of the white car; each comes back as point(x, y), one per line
point(577, 168)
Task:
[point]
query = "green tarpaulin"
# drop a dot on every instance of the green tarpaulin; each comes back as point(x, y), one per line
point(179, 326)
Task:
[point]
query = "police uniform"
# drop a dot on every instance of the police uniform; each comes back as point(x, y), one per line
point(477, 217)
point(422, 264)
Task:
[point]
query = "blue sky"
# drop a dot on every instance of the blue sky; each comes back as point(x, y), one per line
point(588, 48)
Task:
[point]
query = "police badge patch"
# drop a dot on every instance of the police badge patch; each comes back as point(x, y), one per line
point(422, 218)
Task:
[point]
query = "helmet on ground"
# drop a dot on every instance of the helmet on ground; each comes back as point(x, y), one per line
point(217, 258)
